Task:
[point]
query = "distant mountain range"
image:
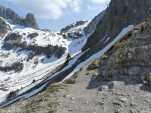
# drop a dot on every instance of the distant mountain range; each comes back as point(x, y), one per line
point(28, 21)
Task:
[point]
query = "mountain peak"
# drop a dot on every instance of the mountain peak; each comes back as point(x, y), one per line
point(28, 21)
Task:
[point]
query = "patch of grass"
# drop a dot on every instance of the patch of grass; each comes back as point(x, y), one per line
point(120, 56)
point(94, 65)
point(120, 53)
point(71, 80)
point(147, 80)
point(45, 102)
point(104, 57)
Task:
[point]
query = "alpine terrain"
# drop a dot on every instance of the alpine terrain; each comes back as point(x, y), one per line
point(97, 66)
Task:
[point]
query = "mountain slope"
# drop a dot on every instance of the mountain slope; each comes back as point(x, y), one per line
point(29, 56)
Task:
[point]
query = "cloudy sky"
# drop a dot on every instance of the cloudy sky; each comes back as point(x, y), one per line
point(55, 14)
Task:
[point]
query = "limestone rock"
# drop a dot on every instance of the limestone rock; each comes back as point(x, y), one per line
point(4, 27)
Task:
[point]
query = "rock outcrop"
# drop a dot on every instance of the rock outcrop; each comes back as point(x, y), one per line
point(130, 57)
point(93, 24)
point(119, 14)
point(4, 27)
point(28, 21)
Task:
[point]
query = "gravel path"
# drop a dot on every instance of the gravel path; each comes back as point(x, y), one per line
point(78, 98)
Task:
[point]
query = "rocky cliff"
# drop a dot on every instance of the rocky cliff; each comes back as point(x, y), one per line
point(28, 21)
point(93, 24)
point(130, 58)
point(119, 14)
point(4, 27)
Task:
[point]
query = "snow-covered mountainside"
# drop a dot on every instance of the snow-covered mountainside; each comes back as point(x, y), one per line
point(28, 56)
point(76, 36)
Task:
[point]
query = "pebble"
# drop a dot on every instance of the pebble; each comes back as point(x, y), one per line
point(101, 103)
point(72, 98)
point(103, 88)
point(115, 84)
point(123, 99)
point(67, 96)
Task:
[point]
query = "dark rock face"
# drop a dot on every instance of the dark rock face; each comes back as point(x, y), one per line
point(17, 66)
point(33, 35)
point(4, 28)
point(130, 57)
point(93, 24)
point(28, 21)
point(9, 14)
point(119, 14)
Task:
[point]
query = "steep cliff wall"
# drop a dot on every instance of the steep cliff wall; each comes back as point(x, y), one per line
point(119, 14)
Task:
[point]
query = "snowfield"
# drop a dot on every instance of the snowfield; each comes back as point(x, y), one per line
point(25, 59)
point(77, 39)
point(43, 39)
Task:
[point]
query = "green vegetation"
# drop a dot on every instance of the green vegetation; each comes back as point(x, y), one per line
point(94, 65)
point(71, 80)
point(44, 102)
point(104, 56)
point(147, 80)
point(121, 53)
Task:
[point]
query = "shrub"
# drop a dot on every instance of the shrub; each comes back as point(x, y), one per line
point(94, 65)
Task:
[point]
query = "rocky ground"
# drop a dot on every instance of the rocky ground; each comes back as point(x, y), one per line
point(86, 94)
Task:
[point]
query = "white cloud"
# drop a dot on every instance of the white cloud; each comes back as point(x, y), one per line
point(54, 9)
point(48, 9)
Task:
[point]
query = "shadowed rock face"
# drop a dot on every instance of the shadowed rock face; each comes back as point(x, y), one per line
point(4, 28)
point(28, 21)
point(130, 57)
point(119, 14)
point(93, 24)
